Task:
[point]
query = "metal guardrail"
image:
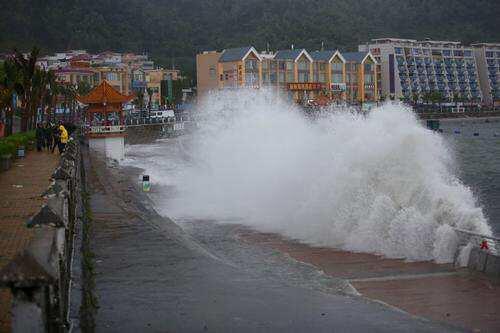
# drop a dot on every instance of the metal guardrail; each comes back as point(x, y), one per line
point(466, 237)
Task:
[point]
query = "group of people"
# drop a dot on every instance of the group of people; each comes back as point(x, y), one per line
point(50, 136)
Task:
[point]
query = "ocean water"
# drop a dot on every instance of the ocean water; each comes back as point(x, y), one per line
point(380, 183)
point(478, 161)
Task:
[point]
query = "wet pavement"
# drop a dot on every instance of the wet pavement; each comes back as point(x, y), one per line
point(151, 275)
point(438, 292)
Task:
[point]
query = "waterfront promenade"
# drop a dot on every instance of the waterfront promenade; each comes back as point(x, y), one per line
point(20, 190)
point(153, 276)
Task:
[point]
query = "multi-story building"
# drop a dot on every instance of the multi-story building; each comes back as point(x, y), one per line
point(154, 77)
point(329, 69)
point(296, 73)
point(361, 77)
point(410, 69)
point(116, 75)
point(76, 75)
point(207, 76)
point(488, 63)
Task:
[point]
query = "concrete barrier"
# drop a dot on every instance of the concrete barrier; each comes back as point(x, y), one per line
point(40, 277)
point(483, 261)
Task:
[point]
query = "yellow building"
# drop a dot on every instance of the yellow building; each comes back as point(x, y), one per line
point(207, 76)
point(303, 76)
point(117, 75)
point(361, 77)
point(329, 70)
point(239, 67)
point(153, 84)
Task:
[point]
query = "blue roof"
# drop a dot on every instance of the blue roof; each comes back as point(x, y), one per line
point(234, 54)
point(354, 56)
point(287, 54)
point(322, 55)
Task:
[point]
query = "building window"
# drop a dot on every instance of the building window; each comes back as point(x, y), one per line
point(368, 68)
point(303, 66)
point(337, 67)
point(447, 53)
point(281, 77)
point(337, 78)
point(489, 54)
point(303, 77)
point(289, 65)
point(251, 64)
point(112, 76)
point(398, 50)
point(272, 77)
point(289, 76)
point(322, 77)
point(265, 77)
point(211, 72)
point(368, 79)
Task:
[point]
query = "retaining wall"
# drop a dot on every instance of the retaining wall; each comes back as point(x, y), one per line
point(483, 261)
point(40, 276)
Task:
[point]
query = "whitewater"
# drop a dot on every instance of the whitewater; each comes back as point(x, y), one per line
point(378, 183)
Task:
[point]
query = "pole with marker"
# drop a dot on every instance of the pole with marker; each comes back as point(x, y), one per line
point(146, 185)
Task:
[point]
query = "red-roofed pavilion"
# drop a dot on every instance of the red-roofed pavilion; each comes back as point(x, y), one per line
point(104, 100)
point(106, 132)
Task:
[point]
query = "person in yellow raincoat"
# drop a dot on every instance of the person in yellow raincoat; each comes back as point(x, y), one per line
point(63, 138)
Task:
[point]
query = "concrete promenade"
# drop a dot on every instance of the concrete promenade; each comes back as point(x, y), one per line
point(438, 292)
point(20, 190)
point(152, 276)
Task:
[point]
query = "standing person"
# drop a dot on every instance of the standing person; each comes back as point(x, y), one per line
point(63, 138)
point(40, 137)
point(47, 132)
point(55, 133)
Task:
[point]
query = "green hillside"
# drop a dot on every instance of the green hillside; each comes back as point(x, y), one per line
point(172, 31)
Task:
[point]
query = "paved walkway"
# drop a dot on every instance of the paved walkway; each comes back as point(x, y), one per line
point(438, 292)
point(152, 277)
point(20, 189)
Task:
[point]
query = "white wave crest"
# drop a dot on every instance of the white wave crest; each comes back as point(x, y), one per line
point(381, 183)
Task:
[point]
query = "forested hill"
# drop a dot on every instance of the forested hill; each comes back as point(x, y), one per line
point(177, 29)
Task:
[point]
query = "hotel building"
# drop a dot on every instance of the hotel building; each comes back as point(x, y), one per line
point(488, 63)
point(296, 73)
point(413, 68)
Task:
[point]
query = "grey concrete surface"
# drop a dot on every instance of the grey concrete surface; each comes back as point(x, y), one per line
point(151, 276)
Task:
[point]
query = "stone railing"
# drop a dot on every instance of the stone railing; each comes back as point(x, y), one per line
point(483, 252)
point(40, 277)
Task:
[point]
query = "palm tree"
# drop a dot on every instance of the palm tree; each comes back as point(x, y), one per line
point(9, 86)
point(27, 70)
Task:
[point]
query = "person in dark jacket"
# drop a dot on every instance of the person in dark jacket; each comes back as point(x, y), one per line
point(47, 132)
point(40, 137)
point(55, 137)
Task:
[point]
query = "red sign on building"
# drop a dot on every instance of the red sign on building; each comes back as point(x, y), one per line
point(305, 86)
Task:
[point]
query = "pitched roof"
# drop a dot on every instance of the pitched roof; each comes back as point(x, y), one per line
point(104, 93)
point(287, 54)
point(235, 54)
point(355, 56)
point(325, 55)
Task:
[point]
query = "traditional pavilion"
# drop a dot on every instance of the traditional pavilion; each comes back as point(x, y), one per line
point(106, 132)
point(105, 105)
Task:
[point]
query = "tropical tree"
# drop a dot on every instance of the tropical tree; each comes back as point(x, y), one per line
point(9, 86)
point(29, 79)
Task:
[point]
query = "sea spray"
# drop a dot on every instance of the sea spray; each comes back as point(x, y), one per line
point(379, 183)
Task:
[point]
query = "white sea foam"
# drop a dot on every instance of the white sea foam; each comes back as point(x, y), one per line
point(381, 183)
